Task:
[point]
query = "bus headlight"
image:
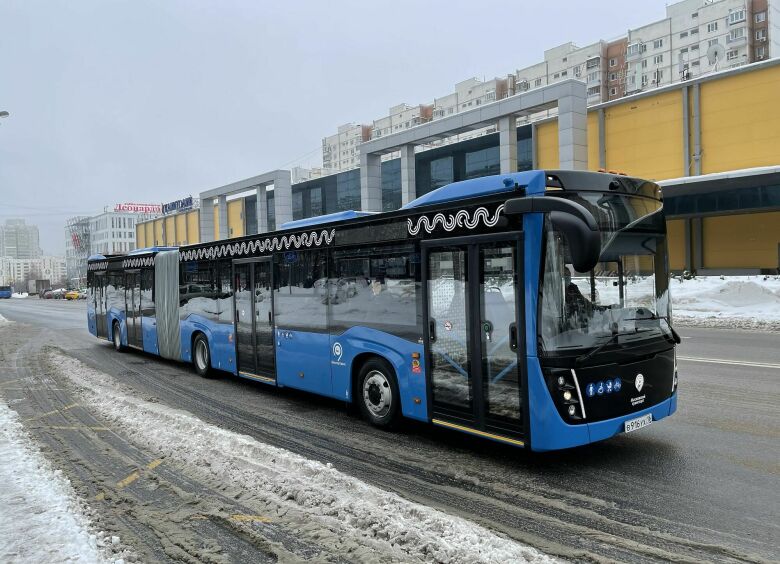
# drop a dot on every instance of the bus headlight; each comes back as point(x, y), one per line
point(567, 395)
point(572, 410)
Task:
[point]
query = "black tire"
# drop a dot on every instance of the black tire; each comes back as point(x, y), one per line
point(201, 356)
point(377, 393)
point(116, 337)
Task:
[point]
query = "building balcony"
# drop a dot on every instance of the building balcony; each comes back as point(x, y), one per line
point(736, 41)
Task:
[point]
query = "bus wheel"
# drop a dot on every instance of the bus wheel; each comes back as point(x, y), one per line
point(201, 357)
point(117, 337)
point(378, 396)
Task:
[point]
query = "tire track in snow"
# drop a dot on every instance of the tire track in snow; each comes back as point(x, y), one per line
point(403, 530)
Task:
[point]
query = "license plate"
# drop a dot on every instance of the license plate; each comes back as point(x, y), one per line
point(638, 423)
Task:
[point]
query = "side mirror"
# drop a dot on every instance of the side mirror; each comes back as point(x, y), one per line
point(577, 224)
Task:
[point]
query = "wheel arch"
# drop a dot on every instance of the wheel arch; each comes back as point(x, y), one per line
point(358, 361)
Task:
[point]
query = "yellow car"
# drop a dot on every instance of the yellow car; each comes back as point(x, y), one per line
point(72, 295)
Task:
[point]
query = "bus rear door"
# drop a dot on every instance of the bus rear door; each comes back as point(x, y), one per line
point(101, 328)
point(133, 309)
point(474, 334)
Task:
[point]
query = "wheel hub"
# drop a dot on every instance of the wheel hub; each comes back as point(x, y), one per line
point(377, 394)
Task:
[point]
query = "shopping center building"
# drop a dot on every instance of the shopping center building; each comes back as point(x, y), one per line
point(713, 142)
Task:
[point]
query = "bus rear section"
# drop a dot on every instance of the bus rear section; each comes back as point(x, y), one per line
point(5, 292)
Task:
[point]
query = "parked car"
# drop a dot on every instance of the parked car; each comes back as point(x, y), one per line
point(72, 295)
point(46, 294)
point(58, 294)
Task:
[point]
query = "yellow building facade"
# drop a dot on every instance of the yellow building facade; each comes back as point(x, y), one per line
point(169, 231)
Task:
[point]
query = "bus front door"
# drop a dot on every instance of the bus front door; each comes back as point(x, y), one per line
point(133, 309)
point(474, 332)
point(254, 325)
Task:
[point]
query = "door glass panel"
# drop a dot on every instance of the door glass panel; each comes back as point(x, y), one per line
point(264, 329)
point(498, 334)
point(134, 311)
point(448, 304)
point(243, 309)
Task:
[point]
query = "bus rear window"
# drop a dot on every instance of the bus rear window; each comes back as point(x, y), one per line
point(5, 288)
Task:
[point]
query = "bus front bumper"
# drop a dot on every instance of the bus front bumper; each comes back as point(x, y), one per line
point(559, 435)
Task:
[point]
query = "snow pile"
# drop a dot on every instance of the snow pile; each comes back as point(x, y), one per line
point(40, 518)
point(18, 295)
point(356, 511)
point(4, 321)
point(735, 301)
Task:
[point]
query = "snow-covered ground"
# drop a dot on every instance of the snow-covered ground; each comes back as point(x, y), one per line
point(318, 493)
point(733, 301)
point(4, 321)
point(41, 519)
point(20, 295)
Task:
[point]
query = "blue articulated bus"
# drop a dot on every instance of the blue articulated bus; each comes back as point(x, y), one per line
point(528, 308)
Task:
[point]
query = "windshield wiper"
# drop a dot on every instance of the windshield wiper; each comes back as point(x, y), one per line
point(653, 317)
point(615, 334)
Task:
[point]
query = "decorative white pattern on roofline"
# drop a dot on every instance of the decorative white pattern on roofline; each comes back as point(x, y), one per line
point(102, 265)
point(245, 248)
point(138, 262)
point(449, 222)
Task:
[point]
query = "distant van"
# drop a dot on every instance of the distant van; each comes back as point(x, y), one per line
point(5, 291)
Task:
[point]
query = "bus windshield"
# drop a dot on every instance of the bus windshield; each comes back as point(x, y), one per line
point(625, 297)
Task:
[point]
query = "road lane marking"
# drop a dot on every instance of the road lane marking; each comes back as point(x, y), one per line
point(154, 464)
point(732, 362)
point(136, 474)
point(129, 480)
point(40, 416)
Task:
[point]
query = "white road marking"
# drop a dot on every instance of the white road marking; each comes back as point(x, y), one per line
point(734, 362)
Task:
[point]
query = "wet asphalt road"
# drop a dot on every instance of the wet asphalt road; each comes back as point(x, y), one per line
point(700, 486)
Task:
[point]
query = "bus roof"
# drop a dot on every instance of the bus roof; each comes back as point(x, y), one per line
point(146, 250)
point(327, 218)
point(532, 180)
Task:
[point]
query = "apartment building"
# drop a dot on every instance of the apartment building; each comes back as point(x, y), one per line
point(340, 151)
point(19, 240)
point(14, 272)
point(616, 68)
point(697, 37)
point(400, 117)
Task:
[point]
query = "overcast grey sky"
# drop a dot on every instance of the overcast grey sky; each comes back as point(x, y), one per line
point(150, 101)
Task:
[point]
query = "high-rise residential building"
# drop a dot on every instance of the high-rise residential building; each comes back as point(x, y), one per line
point(340, 151)
point(19, 240)
point(695, 38)
point(15, 272)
